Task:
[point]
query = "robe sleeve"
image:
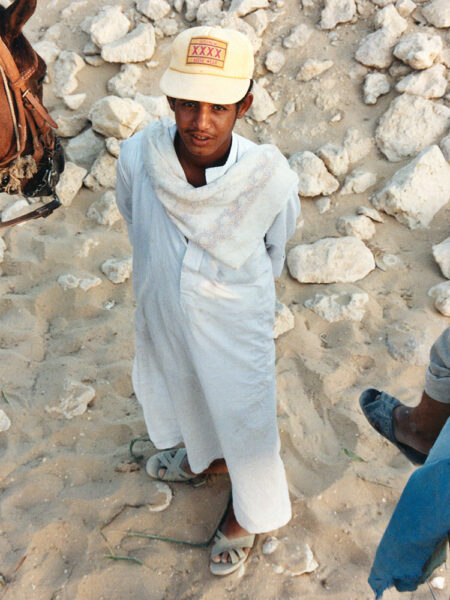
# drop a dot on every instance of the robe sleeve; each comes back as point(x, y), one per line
point(280, 231)
point(123, 193)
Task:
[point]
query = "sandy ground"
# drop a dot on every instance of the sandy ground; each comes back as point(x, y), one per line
point(60, 488)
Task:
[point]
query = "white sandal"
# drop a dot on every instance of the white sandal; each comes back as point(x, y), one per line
point(171, 464)
point(234, 547)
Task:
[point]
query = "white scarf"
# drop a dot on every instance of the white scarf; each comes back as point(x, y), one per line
point(230, 216)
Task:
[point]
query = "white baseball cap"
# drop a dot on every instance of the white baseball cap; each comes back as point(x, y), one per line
point(209, 64)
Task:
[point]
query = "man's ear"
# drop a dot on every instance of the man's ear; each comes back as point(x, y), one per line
point(17, 14)
point(245, 105)
point(171, 102)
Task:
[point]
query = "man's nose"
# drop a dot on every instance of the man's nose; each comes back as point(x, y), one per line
point(202, 117)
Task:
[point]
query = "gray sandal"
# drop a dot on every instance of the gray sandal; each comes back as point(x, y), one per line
point(235, 549)
point(171, 464)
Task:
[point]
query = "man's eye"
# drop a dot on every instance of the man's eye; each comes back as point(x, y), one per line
point(219, 107)
point(189, 104)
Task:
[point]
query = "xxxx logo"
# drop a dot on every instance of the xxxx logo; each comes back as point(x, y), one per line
point(207, 51)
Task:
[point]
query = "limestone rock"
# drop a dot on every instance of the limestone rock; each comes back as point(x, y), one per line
point(341, 306)
point(75, 401)
point(441, 295)
point(160, 496)
point(208, 10)
point(69, 183)
point(113, 146)
point(67, 66)
point(137, 46)
point(94, 61)
point(298, 37)
point(290, 557)
point(263, 105)
point(155, 107)
point(335, 158)
point(405, 7)
point(370, 212)
point(410, 124)
point(70, 282)
point(116, 117)
point(419, 50)
point(284, 319)
point(337, 11)
point(389, 18)
point(417, 191)
point(84, 148)
point(15, 209)
point(438, 583)
point(124, 83)
point(323, 204)
point(313, 68)
point(357, 146)
point(358, 181)
point(69, 126)
point(445, 146)
point(441, 253)
point(232, 21)
point(437, 13)
point(275, 60)
point(375, 85)
point(153, 9)
point(47, 50)
point(117, 270)
point(357, 225)
point(2, 248)
point(191, 10)
point(330, 260)
point(270, 544)
point(244, 7)
point(376, 48)
point(74, 101)
point(382, 3)
point(5, 421)
point(104, 210)
point(428, 83)
point(409, 341)
point(314, 179)
point(166, 27)
point(109, 25)
point(259, 21)
point(103, 173)
point(399, 69)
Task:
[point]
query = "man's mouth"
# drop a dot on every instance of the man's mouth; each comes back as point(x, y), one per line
point(200, 137)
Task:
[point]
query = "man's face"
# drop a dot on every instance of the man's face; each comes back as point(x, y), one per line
point(205, 129)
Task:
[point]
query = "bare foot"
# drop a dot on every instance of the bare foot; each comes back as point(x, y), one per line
point(231, 528)
point(419, 427)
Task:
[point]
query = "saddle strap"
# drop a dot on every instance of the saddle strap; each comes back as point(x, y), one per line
point(42, 211)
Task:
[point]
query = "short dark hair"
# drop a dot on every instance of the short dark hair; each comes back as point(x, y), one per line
point(238, 104)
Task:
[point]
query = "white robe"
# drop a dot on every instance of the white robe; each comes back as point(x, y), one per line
point(204, 370)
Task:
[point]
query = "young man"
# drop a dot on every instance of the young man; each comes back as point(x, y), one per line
point(208, 215)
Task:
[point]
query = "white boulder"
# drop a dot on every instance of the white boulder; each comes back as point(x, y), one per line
point(441, 253)
point(117, 270)
point(284, 319)
point(259, 21)
point(313, 68)
point(84, 148)
point(335, 158)
point(155, 107)
point(113, 146)
point(244, 7)
point(417, 191)
point(389, 18)
point(357, 145)
point(375, 85)
point(358, 181)
point(74, 101)
point(405, 7)
point(314, 178)
point(75, 401)
point(357, 225)
point(275, 60)
point(445, 146)
point(340, 306)
point(47, 50)
point(69, 183)
point(103, 173)
point(191, 9)
point(428, 83)
point(109, 25)
point(5, 421)
point(104, 210)
point(71, 125)
point(124, 83)
point(137, 46)
point(337, 11)
point(298, 36)
point(67, 67)
point(208, 11)
point(15, 209)
point(116, 117)
point(370, 212)
point(410, 124)
point(419, 50)
point(263, 105)
point(153, 9)
point(441, 295)
point(376, 48)
point(437, 13)
point(331, 260)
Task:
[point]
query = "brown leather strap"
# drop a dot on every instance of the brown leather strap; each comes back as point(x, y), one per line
point(39, 108)
point(42, 211)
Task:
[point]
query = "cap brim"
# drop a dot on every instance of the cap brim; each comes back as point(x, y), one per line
point(203, 88)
